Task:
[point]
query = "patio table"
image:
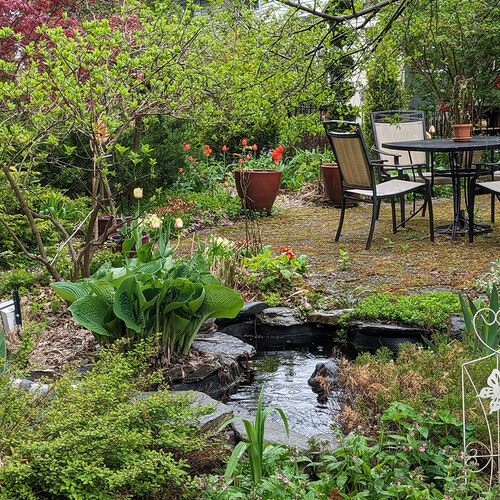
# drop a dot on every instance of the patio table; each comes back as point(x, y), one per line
point(457, 172)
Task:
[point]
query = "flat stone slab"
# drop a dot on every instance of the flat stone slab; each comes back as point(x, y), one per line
point(210, 423)
point(323, 317)
point(221, 343)
point(278, 316)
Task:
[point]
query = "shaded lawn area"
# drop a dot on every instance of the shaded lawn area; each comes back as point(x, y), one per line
point(403, 263)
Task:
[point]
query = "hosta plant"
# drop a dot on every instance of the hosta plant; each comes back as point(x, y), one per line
point(151, 293)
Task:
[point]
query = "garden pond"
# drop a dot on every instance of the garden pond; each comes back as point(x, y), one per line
point(284, 376)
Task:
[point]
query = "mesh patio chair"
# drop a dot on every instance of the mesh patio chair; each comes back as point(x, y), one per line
point(490, 187)
point(403, 125)
point(357, 174)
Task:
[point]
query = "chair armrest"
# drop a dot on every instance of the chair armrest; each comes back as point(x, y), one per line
point(386, 153)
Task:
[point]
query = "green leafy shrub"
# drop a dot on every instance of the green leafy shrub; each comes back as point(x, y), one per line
point(15, 279)
point(403, 460)
point(272, 273)
point(99, 439)
point(430, 311)
point(302, 168)
point(151, 293)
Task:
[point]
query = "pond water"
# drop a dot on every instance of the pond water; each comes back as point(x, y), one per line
point(284, 375)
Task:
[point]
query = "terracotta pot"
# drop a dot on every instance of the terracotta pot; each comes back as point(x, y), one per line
point(104, 222)
point(118, 240)
point(462, 132)
point(333, 185)
point(258, 189)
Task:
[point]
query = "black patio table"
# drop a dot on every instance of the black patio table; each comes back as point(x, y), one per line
point(458, 171)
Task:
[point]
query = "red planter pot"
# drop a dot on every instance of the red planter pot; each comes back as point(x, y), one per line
point(462, 133)
point(104, 222)
point(333, 185)
point(258, 189)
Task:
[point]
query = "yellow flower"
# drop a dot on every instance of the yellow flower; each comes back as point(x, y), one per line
point(178, 223)
point(432, 129)
point(155, 223)
point(138, 193)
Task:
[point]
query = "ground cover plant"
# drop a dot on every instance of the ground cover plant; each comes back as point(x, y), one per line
point(430, 311)
point(98, 438)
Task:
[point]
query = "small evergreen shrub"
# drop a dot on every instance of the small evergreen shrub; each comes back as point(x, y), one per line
point(100, 438)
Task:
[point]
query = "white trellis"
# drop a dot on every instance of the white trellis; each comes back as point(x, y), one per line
point(482, 456)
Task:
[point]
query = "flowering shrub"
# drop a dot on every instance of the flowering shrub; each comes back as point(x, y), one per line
point(275, 273)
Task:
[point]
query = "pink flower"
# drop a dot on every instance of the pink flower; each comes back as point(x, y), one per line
point(280, 476)
point(254, 147)
point(292, 459)
point(223, 487)
point(214, 488)
point(247, 157)
point(228, 437)
point(187, 147)
point(443, 451)
point(450, 459)
point(224, 148)
point(191, 158)
point(421, 449)
point(412, 434)
point(285, 480)
point(462, 455)
point(244, 142)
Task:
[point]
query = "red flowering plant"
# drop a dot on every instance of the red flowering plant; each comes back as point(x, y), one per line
point(252, 158)
point(279, 273)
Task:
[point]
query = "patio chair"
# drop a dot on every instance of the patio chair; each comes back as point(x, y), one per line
point(357, 174)
point(491, 188)
point(494, 171)
point(403, 125)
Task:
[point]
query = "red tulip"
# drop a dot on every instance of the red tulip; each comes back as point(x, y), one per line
point(248, 157)
point(186, 147)
point(254, 147)
point(224, 148)
point(244, 142)
point(190, 158)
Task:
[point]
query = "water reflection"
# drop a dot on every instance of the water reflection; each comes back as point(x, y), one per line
point(284, 375)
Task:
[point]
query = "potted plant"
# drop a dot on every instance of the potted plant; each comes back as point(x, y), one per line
point(332, 182)
point(462, 108)
point(258, 178)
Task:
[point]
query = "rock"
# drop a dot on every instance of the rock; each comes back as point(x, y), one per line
point(323, 317)
point(274, 432)
point(210, 423)
point(323, 379)
point(219, 370)
point(248, 313)
point(457, 326)
point(221, 343)
point(21, 383)
point(245, 331)
point(325, 374)
point(208, 326)
point(278, 316)
point(279, 337)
